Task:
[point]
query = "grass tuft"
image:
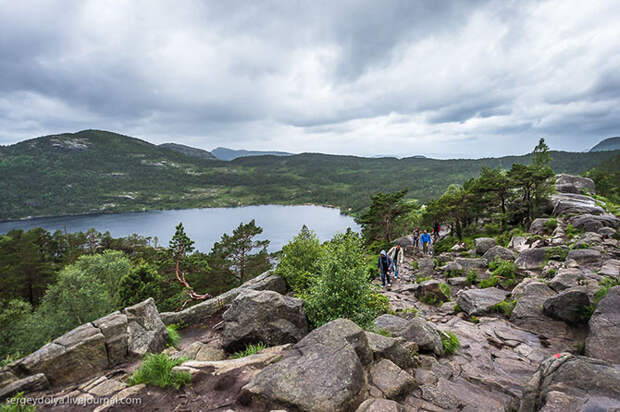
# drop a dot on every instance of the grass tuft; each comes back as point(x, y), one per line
point(156, 370)
point(173, 335)
point(450, 342)
point(249, 350)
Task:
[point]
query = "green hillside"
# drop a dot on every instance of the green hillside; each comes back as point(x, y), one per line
point(612, 143)
point(96, 171)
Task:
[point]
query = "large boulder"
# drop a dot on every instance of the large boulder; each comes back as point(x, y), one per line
point(385, 347)
point(479, 301)
point(593, 223)
point(392, 381)
point(482, 244)
point(69, 358)
point(573, 184)
point(498, 252)
point(573, 204)
point(611, 268)
point(430, 291)
point(602, 342)
point(323, 372)
point(566, 279)
point(566, 382)
point(569, 305)
point(538, 226)
point(263, 316)
point(531, 259)
point(145, 329)
point(426, 266)
point(416, 330)
point(477, 264)
point(203, 311)
point(585, 256)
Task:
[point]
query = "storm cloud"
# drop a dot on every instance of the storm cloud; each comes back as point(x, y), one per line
point(446, 79)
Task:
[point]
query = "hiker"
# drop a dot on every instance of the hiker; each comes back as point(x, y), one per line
point(416, 238)
point(397, 255)
point(435, 231)
point(385, 265)
point(426, 240)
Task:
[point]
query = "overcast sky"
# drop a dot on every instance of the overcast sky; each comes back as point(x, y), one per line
point(439, 78)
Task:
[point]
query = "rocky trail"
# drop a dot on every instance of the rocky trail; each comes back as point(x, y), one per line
point(544, 342)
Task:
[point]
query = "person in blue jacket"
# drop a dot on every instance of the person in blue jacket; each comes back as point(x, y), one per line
point(385, 265)
point(425, 239)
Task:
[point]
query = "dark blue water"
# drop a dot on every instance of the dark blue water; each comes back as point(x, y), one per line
point(204, 226)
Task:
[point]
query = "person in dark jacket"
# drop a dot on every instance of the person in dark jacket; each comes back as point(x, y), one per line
point(385, 265)
point(416, 238)
point(426, 241)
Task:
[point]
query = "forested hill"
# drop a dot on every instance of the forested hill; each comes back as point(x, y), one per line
point(96, 171)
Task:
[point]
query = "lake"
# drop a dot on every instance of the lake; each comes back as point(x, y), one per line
point(203, 226)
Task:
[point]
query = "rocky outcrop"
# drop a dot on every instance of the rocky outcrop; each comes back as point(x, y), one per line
point(593, 223)
point(416, 330)
point(569, 305)
point(263, 316)
point(30, 383)
point(498, 252)
point(114, 329)
point(203, 311)
point(476, 264)
point(384, 347)
point(602, 342)
point(482, 244)
point(566, 279)
point(430, 290)
point(585, 256)
point(479, 301)
point(145, 330)
point(390, 380)
point(323, 372)
point(574, 184)
point(566, 204)
point(566, 382)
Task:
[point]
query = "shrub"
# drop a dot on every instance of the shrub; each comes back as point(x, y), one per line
point(503, 273)
point(411, 310)
point(488, 283)
point(556, 253)
point(605, 284)
point(551, 224)
point(157, 370)
point(450, 342)
point(445, 289)
point(379, 331)
point(139, 284)
point(299, 262)
point(444, 245)
point(342, 289)
point(474, 319)
point(506, 307)
point(249, 350)
point(430, 299)
point(572, 232)
point(472, 277)
point(457, 308)
point(453, 273)
point(421, 279)
point(173, 335)
point(17, 404)
point(415, 265)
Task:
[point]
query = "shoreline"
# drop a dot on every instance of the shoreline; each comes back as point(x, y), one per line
point(32, 218)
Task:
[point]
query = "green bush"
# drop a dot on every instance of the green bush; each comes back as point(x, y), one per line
point(488, 283)
point(457, 308)
point(556, 253)
point(17, 404)
point(605, 284)
point(415, 265)
point(139, 284)
point(342, 289)
point(173, 335)
point(249, 350)
point(503, 273)
point(506, 307)
point(421, 279)
point(300, 259)
point(156, 370)
point(454, 273)
point(450, 342)
point(572, 231)
point(378, 331)
point(444, 245)
point(430, 299)
point(472, 277)
point(551, 224)
point(445, 289)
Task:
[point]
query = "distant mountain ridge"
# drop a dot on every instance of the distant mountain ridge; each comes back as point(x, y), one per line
point(612, 143)
point(188, 150)
point(223, 153)
point(95, 171)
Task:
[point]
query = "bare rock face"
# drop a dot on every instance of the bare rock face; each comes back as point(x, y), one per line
point(323, 372)
point(531, 259)
point(567, 204)
point(114, 329)
point(263, 316)
point(602, 343)
point(477, 264)
point(73, 356)
point(566, 382)
point(31, 383)
point(593, 223)
point(384, 347)
point(145, 329)
point(479, 301)
point(574, 184)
